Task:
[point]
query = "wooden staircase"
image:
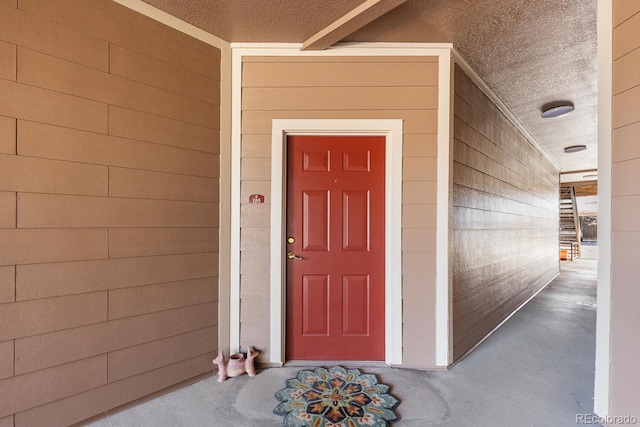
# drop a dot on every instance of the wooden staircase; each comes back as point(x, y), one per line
point(569, 223)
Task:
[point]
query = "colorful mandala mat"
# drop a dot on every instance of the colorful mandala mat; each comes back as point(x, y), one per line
point(335, 397)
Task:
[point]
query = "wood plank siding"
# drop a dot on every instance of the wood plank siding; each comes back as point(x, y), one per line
point(339, 88)
point(109, 177)
point(625, 204)
point(504, 217)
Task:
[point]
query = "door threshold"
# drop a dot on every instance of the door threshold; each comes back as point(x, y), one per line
point(349, 364)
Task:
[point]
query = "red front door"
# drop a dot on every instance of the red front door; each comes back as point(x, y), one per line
point(335, 245)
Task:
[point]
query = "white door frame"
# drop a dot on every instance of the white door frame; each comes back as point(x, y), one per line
point(392, 131)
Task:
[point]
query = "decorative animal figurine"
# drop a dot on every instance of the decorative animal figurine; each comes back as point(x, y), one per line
point(237, 365)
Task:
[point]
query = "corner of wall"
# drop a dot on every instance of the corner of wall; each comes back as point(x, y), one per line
point(224, 292)
point(601, 403)
point(444, 302)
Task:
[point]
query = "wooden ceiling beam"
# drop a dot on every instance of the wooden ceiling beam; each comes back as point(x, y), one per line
point(362, 15)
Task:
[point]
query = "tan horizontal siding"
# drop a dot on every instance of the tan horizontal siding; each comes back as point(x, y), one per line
point(6, 359)
point(47, 280)
point(343, 88)
point(117, 24)
point(46, 106)
point(7, 135)
point(622, 240)
point(42, 351)
point(623, 10)
point(625, 76)
point(256, 145)
point(161, 130)
point(27, 391)
point(624, 173)
point(331, 74)
point(27, 174)
point(416, 121)
point(624, 108)
point(624, 146)
point(85, 82)
point(156, 354)
point(81, 406)
point(21, 246)
point(625, 36)
point(7, 209)
point(33, 32)
point(134, 301)
point(7, 284)
point(426, 190)
point(141, 68)
point(625, 213)
point(348, 98)
point(43, 210)
point(159, 185)
point(39, 140)
point(25, 318)
point(7, 61)
point(106, 117)
point(504, 193)
point(134, 242)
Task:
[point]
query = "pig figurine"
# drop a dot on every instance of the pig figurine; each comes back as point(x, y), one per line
point(237, 365)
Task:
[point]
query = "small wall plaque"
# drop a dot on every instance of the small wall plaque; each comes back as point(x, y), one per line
point(256, 198)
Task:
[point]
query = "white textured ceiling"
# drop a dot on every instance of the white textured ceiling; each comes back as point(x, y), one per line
point(529, 52)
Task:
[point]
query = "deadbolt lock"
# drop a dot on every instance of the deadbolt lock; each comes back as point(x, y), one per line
point(291, 239)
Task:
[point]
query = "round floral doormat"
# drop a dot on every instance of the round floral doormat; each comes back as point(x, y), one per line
point(335, 397)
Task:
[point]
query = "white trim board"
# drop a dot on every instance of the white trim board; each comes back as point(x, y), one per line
point(392, 130)
point(224, 245)
point(343, 49)
point(443, 278)
point(603, 314)
point(173, 22)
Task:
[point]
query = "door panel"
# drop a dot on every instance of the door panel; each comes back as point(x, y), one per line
point(335, 278)
point(355, 220)
point(316, 220)
point(355, 297)
point(315, 305)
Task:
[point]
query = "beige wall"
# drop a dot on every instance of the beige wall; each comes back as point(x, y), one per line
point(625, 204)
point(504, 217)
point(343, 87)
point(109, 142)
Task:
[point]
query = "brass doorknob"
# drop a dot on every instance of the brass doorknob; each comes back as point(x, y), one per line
point(291, 255)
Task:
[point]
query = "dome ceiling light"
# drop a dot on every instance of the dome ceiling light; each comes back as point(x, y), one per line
point(557, 109)
point(575, 148)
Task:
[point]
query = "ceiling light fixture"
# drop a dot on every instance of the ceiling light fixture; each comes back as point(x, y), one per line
point(575, 148)
point(557, 109)
point(591, 175)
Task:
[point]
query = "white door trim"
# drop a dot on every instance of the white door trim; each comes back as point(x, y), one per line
point(392, 131)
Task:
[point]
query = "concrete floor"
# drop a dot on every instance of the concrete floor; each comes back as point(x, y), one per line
point(536, 370)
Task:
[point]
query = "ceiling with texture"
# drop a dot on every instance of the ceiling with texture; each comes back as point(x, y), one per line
point(528, 52)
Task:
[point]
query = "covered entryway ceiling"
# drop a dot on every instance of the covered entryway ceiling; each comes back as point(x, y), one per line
point(529, 52)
